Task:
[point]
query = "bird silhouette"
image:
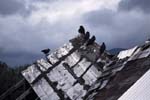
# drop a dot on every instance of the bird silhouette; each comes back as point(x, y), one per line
point(45, 51)
point(103, 47)
point(91, 41)
point(87, 36)
point(81, 30)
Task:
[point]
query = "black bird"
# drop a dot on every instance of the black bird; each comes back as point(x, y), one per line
point(91, 41)
point(103, 47)
point(45, 51)
point(81, 30)
point(87, 36)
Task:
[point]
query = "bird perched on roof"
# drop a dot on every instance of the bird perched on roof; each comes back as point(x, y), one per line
point(103, 47)
point(81, 30)
point(45, 51)
point(91, 41)
point(87, 36)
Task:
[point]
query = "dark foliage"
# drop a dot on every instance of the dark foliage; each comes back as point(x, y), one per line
point(9, 76)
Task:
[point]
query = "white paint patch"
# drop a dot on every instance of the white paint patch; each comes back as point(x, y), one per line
point(140, 90)
point(31, 73)
point(126, 53)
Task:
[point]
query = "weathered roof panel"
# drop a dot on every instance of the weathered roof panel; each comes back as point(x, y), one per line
point(44, 91)
point(67, 70)
point(31, 73)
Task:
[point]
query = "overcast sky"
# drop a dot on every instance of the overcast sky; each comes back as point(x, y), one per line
point(27, 26)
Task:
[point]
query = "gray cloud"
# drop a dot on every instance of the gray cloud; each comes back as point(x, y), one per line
point(45, 0)
point(144, 5)
point(19, 35)
point(97, 18)
point(118, 28)
point(19, 58)
point(21, 38)
point(8, 7)
point(20, 7)
point(21, 42)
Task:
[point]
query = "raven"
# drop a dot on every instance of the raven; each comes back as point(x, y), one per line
point(81, 30)
point(45, 51)
point(91, 41)
point(103, 47)
point(87, 36)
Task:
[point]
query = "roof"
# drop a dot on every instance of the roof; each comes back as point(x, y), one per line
point(69, 72)
point(76, 71)
point(124, 79)
point(133, 68)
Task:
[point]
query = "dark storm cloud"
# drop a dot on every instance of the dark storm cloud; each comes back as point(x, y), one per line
point(22, 39)
point(97, 18)
point(8, 7)
point(21, 42)
point(45, 0)
point(19, 58)
point(118, 28)
point(144, 5)
point(21, 7)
